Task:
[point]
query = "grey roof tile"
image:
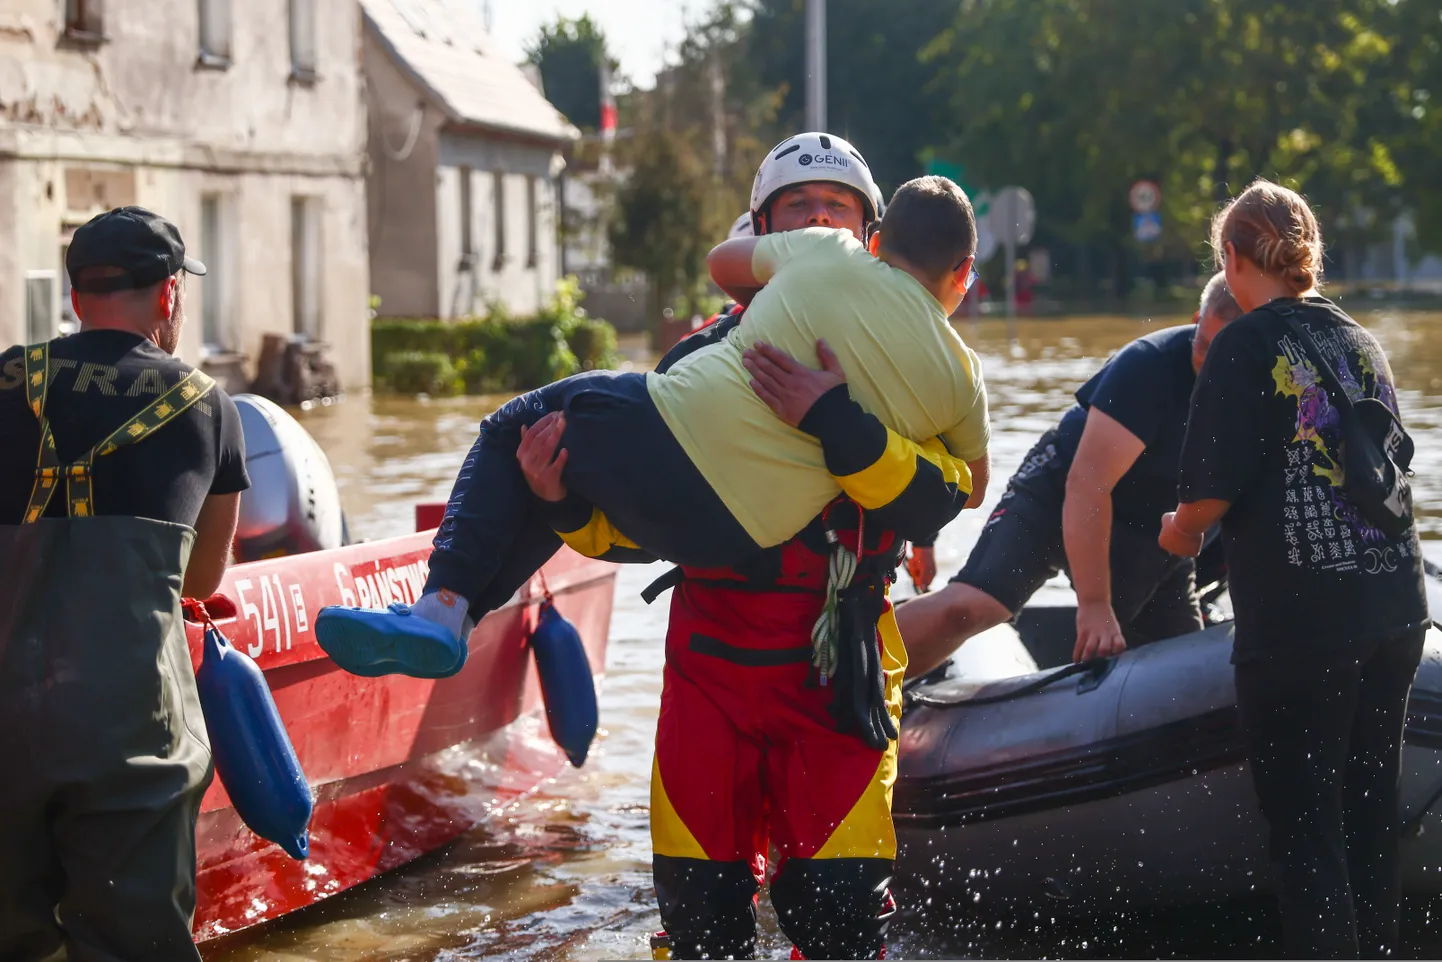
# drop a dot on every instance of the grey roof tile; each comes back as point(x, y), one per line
point(444, 46)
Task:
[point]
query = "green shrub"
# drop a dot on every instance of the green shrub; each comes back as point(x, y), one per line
point(496, 352)
point(593, 343)
point(476, 373)
point(421, 372)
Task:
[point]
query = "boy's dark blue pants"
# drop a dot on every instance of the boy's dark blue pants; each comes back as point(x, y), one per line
point(621, 458)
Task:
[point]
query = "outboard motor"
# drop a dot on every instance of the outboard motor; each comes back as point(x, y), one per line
point(293, 504)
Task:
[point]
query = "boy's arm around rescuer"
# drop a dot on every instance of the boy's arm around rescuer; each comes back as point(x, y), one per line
point(927, 243)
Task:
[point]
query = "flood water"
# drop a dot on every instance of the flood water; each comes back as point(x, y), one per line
point(565, 874)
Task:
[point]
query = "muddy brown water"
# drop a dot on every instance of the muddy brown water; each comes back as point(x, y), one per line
point(565, 874)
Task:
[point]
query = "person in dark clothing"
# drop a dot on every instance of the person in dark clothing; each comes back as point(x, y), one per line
point(1331, 611)
point(120, 475)
point(1086, 500)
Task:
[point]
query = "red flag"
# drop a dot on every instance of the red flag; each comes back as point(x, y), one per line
point(608, 103)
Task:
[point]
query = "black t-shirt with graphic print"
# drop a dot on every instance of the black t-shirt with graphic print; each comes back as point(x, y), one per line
point(1306, 569)
point(98, 381)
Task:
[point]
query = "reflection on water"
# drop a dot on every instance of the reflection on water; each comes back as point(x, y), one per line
point(565, 874)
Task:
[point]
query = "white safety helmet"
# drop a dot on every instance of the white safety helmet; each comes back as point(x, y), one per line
point(808, 158)
point(741, 228)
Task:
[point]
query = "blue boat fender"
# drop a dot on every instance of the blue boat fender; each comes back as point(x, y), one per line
point(567, 685)
point(254, 758)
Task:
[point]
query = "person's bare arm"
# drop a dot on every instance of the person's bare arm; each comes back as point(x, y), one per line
point(214, 533)
point(1185, 529)
point(731, 268)
point(1106, 451)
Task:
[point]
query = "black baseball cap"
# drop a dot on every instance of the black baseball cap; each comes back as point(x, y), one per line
point(144, 245)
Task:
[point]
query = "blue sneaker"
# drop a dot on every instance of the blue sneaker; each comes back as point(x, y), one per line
point(372, 643)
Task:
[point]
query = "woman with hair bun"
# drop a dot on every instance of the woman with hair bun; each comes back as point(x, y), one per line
point(1331, 611)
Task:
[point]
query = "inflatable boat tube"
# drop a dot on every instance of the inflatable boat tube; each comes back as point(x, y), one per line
point(1120, 783)
point(293, 504)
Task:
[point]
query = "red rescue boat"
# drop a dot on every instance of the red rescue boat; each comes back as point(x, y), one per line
point(399, 766)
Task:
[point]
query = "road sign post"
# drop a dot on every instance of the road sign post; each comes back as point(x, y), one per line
point(1012, 218)
point(1147, 228)
point(985, 236)
point(1145, 197)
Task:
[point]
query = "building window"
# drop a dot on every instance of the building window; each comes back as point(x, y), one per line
point(217, 289)
point(85, 20)
point(498, 196)
point(533, 216)
point(40, 315)
point(302, 41)
point(305, 265)
point(467, 218)
point(214, 33)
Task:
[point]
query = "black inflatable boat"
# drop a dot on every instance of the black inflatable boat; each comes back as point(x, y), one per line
point(1114, 784)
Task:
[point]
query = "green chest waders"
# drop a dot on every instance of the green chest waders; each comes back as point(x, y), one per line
point(105, 754)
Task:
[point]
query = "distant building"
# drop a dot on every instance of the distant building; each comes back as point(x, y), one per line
point(465, 153)
point(241, 120)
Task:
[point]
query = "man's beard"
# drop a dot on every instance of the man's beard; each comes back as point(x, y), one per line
point(169, 332)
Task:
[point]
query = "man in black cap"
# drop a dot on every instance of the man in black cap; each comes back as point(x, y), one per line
point(120, 477)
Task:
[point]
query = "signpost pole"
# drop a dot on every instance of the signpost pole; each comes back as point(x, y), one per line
point(816, 64)
point(1012, 218)
point(1010, 278)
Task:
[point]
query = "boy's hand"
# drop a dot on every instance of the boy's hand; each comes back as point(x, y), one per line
point(786, 385)
point(540, 463)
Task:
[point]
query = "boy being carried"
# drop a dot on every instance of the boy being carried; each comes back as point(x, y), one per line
point(693, 466)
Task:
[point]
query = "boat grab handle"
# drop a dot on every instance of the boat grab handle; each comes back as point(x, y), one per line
point(1093, 672)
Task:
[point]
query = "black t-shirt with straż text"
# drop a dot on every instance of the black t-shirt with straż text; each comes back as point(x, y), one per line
point(98, 381)
point(1306, 569)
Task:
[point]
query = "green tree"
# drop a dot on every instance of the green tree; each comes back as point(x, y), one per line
point(690, 156)
point(569, 53)
point(664, 221)
point(878, 90)
point(1416, 98)
point(1075, 99)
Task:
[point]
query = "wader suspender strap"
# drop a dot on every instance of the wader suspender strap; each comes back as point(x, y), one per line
point(48, 470)
point(47, 464)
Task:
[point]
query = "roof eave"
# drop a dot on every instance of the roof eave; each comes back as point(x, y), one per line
point(467, 125)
